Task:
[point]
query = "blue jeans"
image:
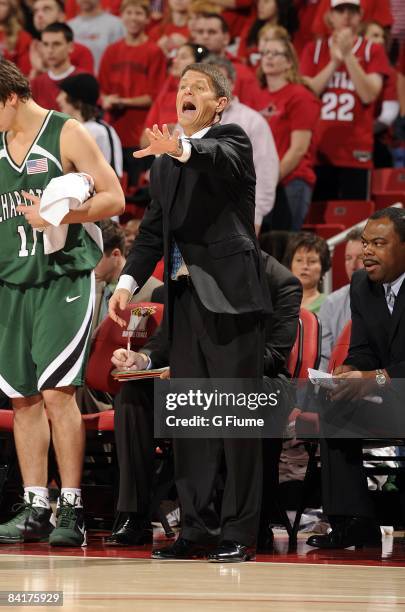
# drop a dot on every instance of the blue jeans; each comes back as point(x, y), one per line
point(290, 208)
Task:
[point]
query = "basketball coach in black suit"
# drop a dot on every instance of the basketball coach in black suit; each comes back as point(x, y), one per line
point(201, 219)
point(134, 413)
point(376, 359)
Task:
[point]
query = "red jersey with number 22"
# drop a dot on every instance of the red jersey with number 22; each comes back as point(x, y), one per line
point(346, 125)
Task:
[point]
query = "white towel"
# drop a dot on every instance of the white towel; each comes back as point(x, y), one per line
point(64, 193)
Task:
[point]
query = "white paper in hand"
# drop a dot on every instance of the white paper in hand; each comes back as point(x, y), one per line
point(322, 379)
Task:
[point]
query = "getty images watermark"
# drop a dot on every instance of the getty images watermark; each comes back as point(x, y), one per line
point(204, 408)
point(245, 408)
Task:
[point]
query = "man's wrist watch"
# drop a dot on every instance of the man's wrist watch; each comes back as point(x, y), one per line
point(380, 377)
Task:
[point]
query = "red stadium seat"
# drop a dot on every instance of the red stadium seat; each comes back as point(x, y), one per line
point(324, 230)
point(307, 423)
point(341, 348)
point(306, 352)
point(348, 212)
point(384, 200)
point(6, 420)
point(341, 212)
point(388, 180)
point(143, 318)
point(388, 187)
point(159, 270)
point(99, 421)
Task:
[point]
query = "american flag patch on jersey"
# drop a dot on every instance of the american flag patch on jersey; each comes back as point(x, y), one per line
point(36, 166)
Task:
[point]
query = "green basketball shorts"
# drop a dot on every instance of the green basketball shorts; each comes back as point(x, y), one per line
point(44, 334)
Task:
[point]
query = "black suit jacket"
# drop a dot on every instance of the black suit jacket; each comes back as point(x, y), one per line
point(377, 337)
point(281, 325)
point(207, 206)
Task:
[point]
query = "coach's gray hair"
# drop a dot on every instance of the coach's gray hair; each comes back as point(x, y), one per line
point(219, 82)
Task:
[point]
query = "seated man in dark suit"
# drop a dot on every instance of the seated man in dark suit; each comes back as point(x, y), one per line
point(376, 360)
point(134, 412)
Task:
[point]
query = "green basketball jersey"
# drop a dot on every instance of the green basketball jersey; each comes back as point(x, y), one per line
point(22, 258)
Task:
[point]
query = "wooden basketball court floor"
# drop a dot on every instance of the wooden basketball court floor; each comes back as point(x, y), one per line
point(126, 579)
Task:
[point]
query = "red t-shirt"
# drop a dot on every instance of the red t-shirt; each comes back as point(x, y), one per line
point(111, 6)
point(131, 71)
point(293, 107)
point(163, 110)
point(245, 51)
point(246, 86)
point(45, 90)
point(373, 10)
point(21, 54)
point(82, 58)
point(166, 29)
point(236, 18)
point(346, 125)
point(307, 11)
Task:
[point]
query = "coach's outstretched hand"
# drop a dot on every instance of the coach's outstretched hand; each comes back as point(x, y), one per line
point(118, 301)
point(161, 142)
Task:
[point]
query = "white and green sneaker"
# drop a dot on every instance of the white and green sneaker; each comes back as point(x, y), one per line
point(33, 523)
point(70, 529)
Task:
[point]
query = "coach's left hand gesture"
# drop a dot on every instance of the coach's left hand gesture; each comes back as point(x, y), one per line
point(161, 142)
point(31, 213)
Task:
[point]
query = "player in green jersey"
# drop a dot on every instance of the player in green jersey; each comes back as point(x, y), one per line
point(46, 302)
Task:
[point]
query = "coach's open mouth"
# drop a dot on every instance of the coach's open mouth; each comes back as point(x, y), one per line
point(188, 108)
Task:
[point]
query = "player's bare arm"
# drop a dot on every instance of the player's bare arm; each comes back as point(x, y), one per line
point(80, 153)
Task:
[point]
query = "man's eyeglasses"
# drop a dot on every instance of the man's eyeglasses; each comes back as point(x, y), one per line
point(270, 53)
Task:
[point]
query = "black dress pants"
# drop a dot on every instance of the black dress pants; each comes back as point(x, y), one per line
point(133, 421)
point(344, 481)
point(210, 345)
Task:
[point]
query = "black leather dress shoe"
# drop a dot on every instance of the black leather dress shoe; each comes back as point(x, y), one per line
point(231, 552)
point(181, 549)
point(350, 532)
point(131, 532)
point(265, 540)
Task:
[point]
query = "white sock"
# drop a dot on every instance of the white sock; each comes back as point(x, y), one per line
point(41, 496)
point(72, 496)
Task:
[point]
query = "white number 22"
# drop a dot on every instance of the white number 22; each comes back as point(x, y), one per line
point(338, 107)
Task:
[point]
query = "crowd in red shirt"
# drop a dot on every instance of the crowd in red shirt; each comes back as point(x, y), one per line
point(323, 120)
